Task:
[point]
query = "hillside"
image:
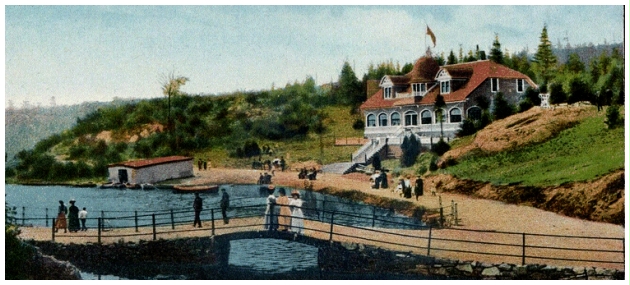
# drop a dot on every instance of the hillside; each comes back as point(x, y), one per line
point(562, 160)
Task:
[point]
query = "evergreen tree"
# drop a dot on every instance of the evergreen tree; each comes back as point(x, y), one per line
point(574, 64)
point(451, 58)
point(502, 108)
point(411, 150)
point(556, 93)
point(496, 54)
point(545, 60)
point(350, 87)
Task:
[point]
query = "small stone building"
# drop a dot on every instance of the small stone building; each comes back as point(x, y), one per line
point(151, 170)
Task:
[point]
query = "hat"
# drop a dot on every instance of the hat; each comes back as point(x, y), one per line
point(295, 193)
point(282, 191)
point(271, 187)
point(72, 201)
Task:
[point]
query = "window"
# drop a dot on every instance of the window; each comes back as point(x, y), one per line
point(494, 84)
point(520, 85)
point(474, 113)
point(426, 117)
point(382, 120)
point(387, 92)
point(445, 87)
point(411, 119)
point(419, 88)
point(371, 120)
point(395, 119)
point(456, 115)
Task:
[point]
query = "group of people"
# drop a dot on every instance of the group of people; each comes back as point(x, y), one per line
point(198, 207)
point(71, 219)
point(277, 163)
point(379, 180)
point(404, 188)
point(284, 213)
point(310, 175)
point(264, 178)
point(202, 164)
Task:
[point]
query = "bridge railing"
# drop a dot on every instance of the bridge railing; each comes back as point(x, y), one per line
point(378, 230)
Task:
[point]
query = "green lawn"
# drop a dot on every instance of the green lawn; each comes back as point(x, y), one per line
point(581, 153)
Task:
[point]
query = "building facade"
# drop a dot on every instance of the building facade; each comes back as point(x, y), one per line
point(151, 170)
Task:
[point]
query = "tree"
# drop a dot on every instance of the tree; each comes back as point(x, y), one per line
point(411, 149)
point(438, 108)
point(613, 117)
point(579, 90)
point(502, 108)
point(170, 87)
point(556, 93)
point(544, 59)
point(451, 58)
point(574, 64)
point(349, 87)
point(496, 54)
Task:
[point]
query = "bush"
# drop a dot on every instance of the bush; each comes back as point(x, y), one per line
point(525, 105)
point(410, 151)
point(358, 124)
point(556, 94)
point(579, 91)
point(467, 128)
point(613, 117)
point(502, 108)
point(441, 147)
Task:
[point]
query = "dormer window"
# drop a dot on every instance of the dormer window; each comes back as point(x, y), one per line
point(445, 87)
point(494, 85)
point(387, 92)
point(419, 89)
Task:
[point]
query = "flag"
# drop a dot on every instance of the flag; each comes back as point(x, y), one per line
point(430, 33)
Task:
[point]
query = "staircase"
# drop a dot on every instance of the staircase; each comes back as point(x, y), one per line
point(362, 156)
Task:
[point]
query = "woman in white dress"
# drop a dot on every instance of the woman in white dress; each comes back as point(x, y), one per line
point(297, 216)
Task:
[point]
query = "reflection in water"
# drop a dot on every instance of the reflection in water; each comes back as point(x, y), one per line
point(272, 255)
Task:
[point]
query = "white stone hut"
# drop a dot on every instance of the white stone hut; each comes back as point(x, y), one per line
point(151, 170)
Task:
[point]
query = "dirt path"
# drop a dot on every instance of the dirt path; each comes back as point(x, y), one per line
point(474, 213)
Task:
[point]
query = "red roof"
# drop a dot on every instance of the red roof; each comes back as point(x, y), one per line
point(151, 162)
point(476, 73)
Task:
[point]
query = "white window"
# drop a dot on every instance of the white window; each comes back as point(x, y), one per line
point(411, 119)
point(395, 119)
point(371, 120)
point(445, 87)
point(456, 115)
point(387, 92)
point(520, 85)
point(419, 88)
point(382, 120)
point(494, 84)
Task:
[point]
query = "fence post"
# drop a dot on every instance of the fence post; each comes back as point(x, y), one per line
point(212, 218)
point(441, 217)
point(373, 215)
point(47, 217)
point(332, 221)
point(153, 218)
point(172, 220)
point(100, 226)
point(429, 245)
point(523, 261)
point(53, 229)
point(136, 220)
point(23, 214)
point(456, 221)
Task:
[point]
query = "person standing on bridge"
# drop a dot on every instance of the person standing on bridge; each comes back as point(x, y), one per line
point(284, 219)
point(73, 217)
point(297, 216)
point(225, 203)
point(197, 206)
point(61, 222)
point(271, 219)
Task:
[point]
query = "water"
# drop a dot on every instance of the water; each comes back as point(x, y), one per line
point(119, 206)
point(258, 256)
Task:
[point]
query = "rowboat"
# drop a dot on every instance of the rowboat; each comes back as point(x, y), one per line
point(195, 188)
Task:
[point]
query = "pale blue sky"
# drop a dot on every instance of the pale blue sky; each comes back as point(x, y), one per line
point(96, 53)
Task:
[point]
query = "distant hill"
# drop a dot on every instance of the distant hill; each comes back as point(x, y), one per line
point(585, 52)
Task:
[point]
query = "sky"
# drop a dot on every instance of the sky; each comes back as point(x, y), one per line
point(98, 53)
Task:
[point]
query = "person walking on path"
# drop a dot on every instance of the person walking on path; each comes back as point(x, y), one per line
point(73, 217)
point(197, 206)
point(418, 190)
point(297, 216)
point(83, 217)
point(225, 203)
point(271, 220)
point(284, 219)
point(61, 222)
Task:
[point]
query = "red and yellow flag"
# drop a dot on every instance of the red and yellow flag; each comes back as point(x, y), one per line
point(430, 33)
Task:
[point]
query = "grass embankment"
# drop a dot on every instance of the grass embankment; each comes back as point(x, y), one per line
point(298, 150)
point(581, 153)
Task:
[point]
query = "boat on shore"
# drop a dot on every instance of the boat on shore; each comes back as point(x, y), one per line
point(195, 189)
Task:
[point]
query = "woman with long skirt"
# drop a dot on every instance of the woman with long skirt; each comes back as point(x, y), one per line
point(271, 220)
point(297, 216)
point(284, 219)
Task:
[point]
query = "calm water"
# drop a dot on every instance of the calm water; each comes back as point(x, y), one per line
point(119, 207)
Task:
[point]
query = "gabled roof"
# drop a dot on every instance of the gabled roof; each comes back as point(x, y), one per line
point(151, 162)
point(423, 70)
point(475, 73)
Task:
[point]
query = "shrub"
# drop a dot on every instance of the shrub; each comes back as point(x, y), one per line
point(613, 117)
point(441, 147)
point(525, 105)
point(467, 128)
point(410, 151)
point(556, 94)
point(358, 124)
point(502, 108)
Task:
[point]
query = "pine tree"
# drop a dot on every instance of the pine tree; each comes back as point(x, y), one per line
point(545, 60)
point(451, 58)
point(496, 54)
point(349, 86)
